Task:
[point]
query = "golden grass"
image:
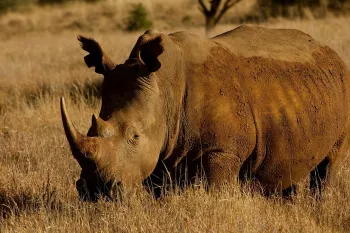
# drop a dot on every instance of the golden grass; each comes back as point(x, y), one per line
point(38, 173)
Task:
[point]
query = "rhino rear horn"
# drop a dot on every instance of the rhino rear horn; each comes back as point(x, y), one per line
point(101, 127)
point(96, 57)
point(147, 49)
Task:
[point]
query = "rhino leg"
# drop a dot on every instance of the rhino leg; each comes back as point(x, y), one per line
point(221, 169)
point(289, 192)
point(318, 178)
point(321, 175)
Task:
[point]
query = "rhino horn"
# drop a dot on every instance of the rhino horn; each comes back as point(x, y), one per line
point(101, 127)
point(81, 145)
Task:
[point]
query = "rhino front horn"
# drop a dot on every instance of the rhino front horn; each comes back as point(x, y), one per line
point(81, 145)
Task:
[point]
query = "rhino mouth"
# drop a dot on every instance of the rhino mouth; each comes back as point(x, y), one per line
point(109, 191)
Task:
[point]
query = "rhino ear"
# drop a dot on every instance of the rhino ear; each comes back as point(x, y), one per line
point(147, 49)
point(96, 56)
point(150, 52)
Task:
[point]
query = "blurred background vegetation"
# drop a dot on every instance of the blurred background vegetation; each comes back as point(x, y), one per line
point(286, 8)
point(134, 15)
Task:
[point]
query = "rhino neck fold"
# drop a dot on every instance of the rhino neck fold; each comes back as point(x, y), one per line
point(173, 90)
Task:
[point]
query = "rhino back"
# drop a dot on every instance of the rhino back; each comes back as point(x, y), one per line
point(278, 44)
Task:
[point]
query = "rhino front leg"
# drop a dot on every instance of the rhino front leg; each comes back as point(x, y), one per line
point(221, 169)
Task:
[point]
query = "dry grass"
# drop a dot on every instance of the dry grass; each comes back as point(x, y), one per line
point(38, 173)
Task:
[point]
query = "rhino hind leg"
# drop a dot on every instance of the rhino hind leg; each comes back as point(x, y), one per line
point(322, 174)
point(289, 192)
point(318, 178)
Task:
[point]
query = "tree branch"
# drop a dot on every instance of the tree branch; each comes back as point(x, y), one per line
point(213, 10)
point(214, 5)
point(203, 7)
point(228, 4)
point(231, 3)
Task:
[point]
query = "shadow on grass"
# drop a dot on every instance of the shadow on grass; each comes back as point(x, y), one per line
point(16, 203)
point(13, 205)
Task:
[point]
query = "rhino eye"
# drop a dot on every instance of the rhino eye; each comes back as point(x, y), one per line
point(131, 133)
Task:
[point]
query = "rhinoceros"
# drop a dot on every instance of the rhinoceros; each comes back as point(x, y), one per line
point(269, 105)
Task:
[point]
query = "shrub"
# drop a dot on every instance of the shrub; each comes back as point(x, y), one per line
point(187, 20)
point(46, 2)
point(6, 5)
point(93, 1)
point(138, 18)
point(296, 8)
point(339, 6)
point(291, 8)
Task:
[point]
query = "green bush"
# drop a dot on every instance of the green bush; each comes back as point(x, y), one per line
point(9, 5)
point(93, 1)
point(339, 5)
point(46, 2)
point(6, 5)
point(138, 18)
point(286, 8)
point(296, 8)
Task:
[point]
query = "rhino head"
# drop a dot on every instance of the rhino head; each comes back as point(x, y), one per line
point(123, 144)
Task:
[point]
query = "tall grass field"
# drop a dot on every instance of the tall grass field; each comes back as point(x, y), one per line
point(40, 60)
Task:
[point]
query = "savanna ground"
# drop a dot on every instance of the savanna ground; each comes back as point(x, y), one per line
point(40, 60)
